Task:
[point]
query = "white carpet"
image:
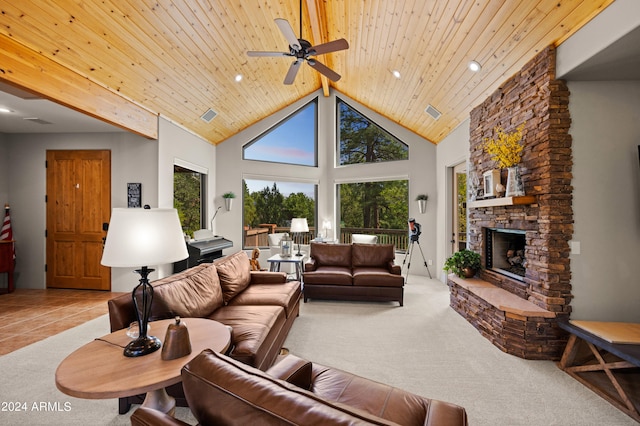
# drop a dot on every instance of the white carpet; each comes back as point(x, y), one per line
point(424, 347)
point(427, 348)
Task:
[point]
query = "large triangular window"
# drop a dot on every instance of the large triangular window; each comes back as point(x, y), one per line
point(291, 141)
point(363, 141)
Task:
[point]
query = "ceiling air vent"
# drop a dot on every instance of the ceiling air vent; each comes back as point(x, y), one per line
point(433, 112)
point(36, 120)
point(208, 115)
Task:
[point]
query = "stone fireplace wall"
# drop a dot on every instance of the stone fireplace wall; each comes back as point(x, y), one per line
point(533, 96)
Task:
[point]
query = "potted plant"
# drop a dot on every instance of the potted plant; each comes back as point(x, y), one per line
point(228, 198)
point(464, 263)
point(422, 202)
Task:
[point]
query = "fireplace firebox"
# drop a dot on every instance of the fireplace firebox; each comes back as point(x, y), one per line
point(505, 252)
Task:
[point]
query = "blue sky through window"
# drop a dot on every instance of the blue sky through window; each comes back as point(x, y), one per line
point(292, 141)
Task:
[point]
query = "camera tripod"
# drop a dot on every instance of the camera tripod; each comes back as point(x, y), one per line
point(409, 253)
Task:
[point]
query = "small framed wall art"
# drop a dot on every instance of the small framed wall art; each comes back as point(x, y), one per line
point(491, 178)
point(134, 195)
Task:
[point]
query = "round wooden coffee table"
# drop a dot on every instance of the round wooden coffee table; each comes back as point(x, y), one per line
point(99, 369)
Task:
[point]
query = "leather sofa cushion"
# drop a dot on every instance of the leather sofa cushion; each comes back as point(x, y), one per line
point(379, 255)
point(331, 254)
point(195, 292)
point(235, 274)
point(335, 275)
point(243, 395)
point(376, 277)
point(285, 294)
point(384, 401)
point(254, 331)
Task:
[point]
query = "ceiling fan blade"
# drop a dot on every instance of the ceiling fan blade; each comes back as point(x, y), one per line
point(260, 53)
point(323, 69)
point(332, 46)
point(288, 33)
point(293, 71)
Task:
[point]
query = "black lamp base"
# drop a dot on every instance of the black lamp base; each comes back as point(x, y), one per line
point(143, 345)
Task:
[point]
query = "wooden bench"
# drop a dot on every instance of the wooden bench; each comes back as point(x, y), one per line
point(612, 370)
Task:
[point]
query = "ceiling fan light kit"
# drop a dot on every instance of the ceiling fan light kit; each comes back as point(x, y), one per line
point(302, 50)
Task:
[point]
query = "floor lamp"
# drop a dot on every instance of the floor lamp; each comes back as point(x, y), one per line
point(298, 225)
point(139, 238)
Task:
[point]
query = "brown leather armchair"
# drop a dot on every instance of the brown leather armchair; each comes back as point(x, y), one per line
point(222, 391)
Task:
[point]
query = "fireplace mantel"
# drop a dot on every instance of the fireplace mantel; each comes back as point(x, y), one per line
point(504, 201)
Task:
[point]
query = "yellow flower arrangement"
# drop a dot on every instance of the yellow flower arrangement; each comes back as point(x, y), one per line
point(505, 149)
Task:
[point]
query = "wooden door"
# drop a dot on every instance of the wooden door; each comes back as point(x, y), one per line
point(78, 204)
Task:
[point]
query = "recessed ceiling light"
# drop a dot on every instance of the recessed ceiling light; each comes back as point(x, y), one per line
point(5, 110)
point(475, 66)
point(396, 73)
point(238, 78)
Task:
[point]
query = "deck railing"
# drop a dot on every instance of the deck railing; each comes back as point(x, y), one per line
point(258, 237)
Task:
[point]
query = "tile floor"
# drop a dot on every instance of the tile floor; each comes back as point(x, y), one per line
point(28, 315)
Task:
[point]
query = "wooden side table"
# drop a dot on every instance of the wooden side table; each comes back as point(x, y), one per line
point(99, 369)
point(7, 262)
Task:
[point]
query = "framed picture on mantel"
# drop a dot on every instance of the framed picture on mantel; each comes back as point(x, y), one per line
point(491, 178)
point(134, 195)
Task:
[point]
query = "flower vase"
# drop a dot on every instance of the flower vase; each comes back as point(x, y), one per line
point(515, 187)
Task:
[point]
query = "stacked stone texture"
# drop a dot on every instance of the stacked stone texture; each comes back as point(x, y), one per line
point(533, 96)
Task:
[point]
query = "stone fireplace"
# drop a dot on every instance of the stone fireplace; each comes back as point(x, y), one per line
point(518, 308)
point(504, 252)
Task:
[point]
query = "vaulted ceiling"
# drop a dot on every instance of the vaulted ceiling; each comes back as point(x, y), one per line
point(121, 59)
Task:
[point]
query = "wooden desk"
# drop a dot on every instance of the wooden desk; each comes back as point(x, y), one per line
point(612, 370)
point(99, 369)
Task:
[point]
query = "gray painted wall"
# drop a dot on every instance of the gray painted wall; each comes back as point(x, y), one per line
point(606, 200)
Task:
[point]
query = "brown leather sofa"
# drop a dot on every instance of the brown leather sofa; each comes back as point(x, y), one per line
point(260, 308)
point(353, 272)
point(222, 391)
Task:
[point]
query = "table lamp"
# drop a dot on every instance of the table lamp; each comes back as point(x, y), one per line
point(139, 238)
point(298, 225)
point(326, 225)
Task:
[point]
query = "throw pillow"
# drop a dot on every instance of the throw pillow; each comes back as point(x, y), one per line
point(235, 274)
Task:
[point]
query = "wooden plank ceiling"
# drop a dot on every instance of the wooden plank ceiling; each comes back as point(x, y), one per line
point(179, 58)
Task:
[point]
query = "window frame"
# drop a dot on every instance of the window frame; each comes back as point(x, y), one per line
point(338, 156)
point(277, 125)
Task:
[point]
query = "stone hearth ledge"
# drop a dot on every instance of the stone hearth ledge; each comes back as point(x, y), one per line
point(501, 299)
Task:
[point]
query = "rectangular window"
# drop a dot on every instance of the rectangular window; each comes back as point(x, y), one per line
point(377, 208)
point(189, 198)
point(269, 206)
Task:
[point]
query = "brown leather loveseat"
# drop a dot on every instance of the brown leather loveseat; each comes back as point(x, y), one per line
point(222, 391)
point(353, 272)
point(260, 308)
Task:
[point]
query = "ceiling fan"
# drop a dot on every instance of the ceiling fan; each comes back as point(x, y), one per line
point(303, 51)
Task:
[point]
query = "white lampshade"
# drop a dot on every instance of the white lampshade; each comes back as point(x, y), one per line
point(326, 224)
point(144, 237)
point(299, 224)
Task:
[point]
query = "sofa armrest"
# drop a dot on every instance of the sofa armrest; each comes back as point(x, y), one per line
point(294, 370)
point(144, 416)
point(122, 312)
point(445, 413)
point(394, 269)
point(310, 265)
point(265, 277)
